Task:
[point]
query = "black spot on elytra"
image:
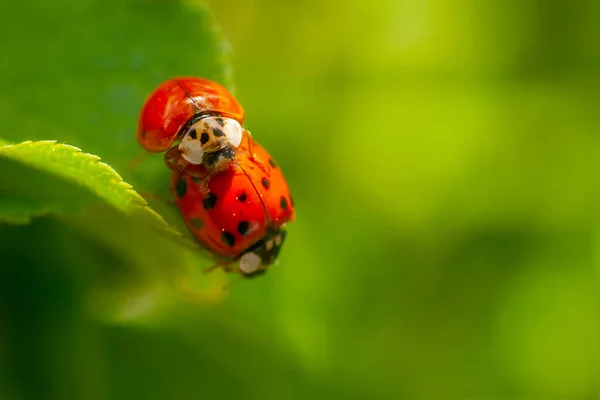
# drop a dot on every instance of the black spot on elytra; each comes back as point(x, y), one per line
point(220, 121)
point(243, 228)
point(143, 134)
point(272, 163)
point(193, 134)
point(242, 197)
point(228, 238)
point(217, 132)
point(204, 138)
point(283, 203)
point(209, 202)
point(181, 187)
point(196, 223)
point(265, 182)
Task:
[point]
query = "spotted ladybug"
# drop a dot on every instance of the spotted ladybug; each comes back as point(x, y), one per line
point(196, 122)
point(241, 216)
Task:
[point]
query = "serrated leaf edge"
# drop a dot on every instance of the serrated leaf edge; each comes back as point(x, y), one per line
point(137, 199)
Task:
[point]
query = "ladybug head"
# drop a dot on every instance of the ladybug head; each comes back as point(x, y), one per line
point(218, 160)
point(210, 140)
point(259, 257)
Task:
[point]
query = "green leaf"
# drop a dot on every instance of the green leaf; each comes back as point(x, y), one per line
point(19, 211)
point(85, 83)
point(86, 170)
point(60, 87)
point(27, 192)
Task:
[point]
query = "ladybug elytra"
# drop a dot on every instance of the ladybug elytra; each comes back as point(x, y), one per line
point(201, 115)
point(242, 213)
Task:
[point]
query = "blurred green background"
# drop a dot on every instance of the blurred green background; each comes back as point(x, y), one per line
point(442, 156)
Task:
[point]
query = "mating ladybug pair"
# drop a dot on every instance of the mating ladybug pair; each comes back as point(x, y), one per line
point(230, 192)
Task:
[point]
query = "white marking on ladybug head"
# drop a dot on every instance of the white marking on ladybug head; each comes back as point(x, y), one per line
point(208, 135)
point(232, 129)
point(191, 149)
point(278, 240)
point(249, 263)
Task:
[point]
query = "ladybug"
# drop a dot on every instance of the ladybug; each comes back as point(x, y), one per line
point(201, 115)
point(241, 216)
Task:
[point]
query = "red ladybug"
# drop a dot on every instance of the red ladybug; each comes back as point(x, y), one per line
point(241, 216)
point(201, 115)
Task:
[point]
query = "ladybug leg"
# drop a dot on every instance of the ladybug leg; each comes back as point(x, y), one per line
point(203, 185)
point(225, 264)
point(251, 166)
point(175, 162)
point(253, 157)
point(202, 180)
point(182, 165)
point(172, 158)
